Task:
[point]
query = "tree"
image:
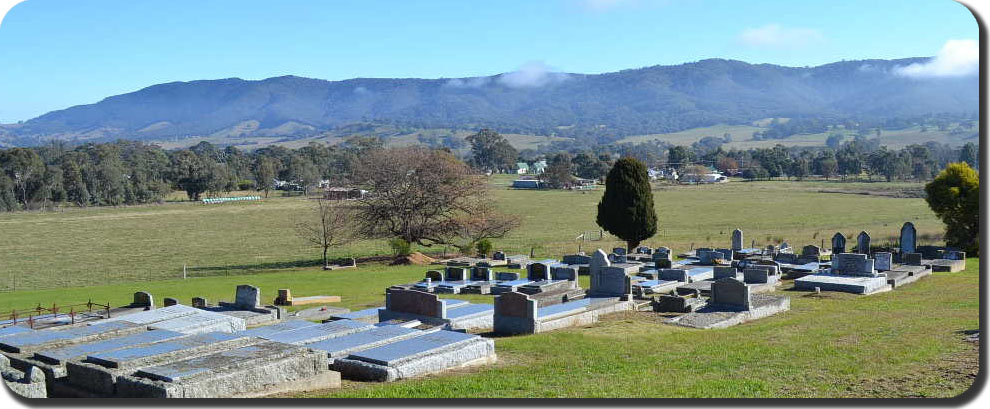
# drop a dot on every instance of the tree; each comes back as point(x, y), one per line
point(330, 225)
point(834, 140)
point(423, 196)
point(626, 209)
point(954, 196)
point(265, 172)
point(558, 172)
point(24, 168)
point(492, 152)
point(302, 170)
point(970, 155)
point(678, 156)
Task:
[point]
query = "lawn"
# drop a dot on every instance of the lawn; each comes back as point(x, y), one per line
point(98, 246)
point(907, 342)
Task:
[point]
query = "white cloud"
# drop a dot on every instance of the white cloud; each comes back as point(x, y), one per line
point(956, 58)
point(776, 36)
point(531, 74)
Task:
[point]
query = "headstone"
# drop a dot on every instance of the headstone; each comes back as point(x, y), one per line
point(539, 271)
point(644, 250)
point(838, 243)
point(457, 273)
point(730, 293)
point(754, 275)
point(482, 274)
point(811, 250)
point(912, 259)
point(515, 304)
point(863, 243)
point(737, 240)
point(247, 297)
point(619, 251)
point(434, 275)
point(724, 272)
point(598, 260)
point(506, 276)
point(955, 255)
point(564, 273)
point(882, 261)
point(909, 238)
point(284, 297)
point(709, 256)
point(853, 264)
point(611, 281)
point(579, 258)
point(498, 255)
point(662, 258)
point(169, 301)
point(673, 274)
point(415, 302)
point(199, 302)
point(788, 258)
point(770, 250)
point(143, 299)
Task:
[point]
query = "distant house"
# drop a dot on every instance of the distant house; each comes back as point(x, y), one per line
point(522, 168)
point(527, 184)
point(539, 167)
point(701, 177)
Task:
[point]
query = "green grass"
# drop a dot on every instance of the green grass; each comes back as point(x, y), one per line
point(96, 246)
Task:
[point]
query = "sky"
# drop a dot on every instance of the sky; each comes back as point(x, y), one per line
point(59, 53)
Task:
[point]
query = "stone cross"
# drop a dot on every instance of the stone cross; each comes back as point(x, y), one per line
point(737, 240)
point(909, 238)
point(863, 243)
point(838, 243)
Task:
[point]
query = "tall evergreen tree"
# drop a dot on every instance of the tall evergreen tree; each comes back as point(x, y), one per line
point(954, 196)
point(626, 209)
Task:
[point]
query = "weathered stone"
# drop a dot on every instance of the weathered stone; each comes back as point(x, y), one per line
point(853, 264)
point(883, 261)
point(730, 293)
point(498, 255)
point(247, 297)
point(506, 276)
point(479, 273)
point(912, 259)
point(200, 302)
point(457, 273)
point(564, 273)
point(909, 238)
point(674, 274)
point(621, 251)
point(599, 260)
point(434, 275)
point(540, 270)
point(415, 302)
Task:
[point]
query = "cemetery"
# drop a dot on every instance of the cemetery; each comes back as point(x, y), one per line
point(246, 348)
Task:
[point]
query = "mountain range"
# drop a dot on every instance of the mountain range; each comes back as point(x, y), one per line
point(532, 100)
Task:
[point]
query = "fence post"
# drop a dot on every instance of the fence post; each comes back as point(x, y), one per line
point(183, 271)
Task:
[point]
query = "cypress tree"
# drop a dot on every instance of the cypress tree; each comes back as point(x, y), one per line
point(626, 208)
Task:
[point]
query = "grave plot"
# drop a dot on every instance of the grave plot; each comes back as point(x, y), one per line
point(899, 275)
point(675, 303)
point(732, 304)
point(29, 342)
point(421, 355)
point(428, 308)
point(850, 272)
point(285, 298)
point(310, 334)
point(507, 286)
point(259, 369)
point(5, 331)
point(247, 307)
point(340, 347)
point(97, 373)
point(184, 319)
point(518, 313)
point(951, 262)
point(273, 329)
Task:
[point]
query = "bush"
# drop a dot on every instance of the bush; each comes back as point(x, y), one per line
point(246, 185)
point(484, 247)
point(400, 247)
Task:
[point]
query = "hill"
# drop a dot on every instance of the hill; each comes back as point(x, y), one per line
point(598, 108)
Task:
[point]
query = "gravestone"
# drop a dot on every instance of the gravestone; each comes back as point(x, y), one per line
point(284, 297)
point(434, 275)
point(730, 293)
point(724, 272)
point(199, 302)
point(737, 240)
point(770, 250)
point(882, 261)
point(579, 258)
point(909, 238)
point(498, 255)
point(811, 250)
point(539, 271)
point(912, 259)
point(853, 264)
point(709, 256)
point(457, 273)
point(644, 250)
point(611, 281)
point(506, 276)
point(515, 304)
point(143, 299)
point(599, 260)
point(673, 274)
point(754, 275)
point(662, 258)
point(863, 243)
point(169, 301)
point(481, 274)
point(247, 297)
point(788, 258)
point(838, 243)
point(415, 302)
point(564, 273)
point(619, 251)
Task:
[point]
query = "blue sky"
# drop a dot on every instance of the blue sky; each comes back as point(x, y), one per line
point(59, 53)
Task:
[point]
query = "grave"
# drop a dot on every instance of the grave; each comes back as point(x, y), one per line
point(285, 298)
point(576, 259)
point(850, 272)
point(310, 334)
point(732, 303)
point(421, 355)
point(29, 383)
point(247, 306)
point(662, 258)
point(676, 304)
point(518, 313)
point(169, 301)
point(883, 261)
point(737, 240)
point(29, 342)
point(863, 243)
point(143, 299)
point(950, 262)
point(199, 302)
point(909, 238)
point(369, 315)
point(429, 309)
point(838, 243)
point(249, 371)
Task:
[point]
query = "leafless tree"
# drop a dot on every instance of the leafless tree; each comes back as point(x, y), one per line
point(330, 224)
point(425, 196)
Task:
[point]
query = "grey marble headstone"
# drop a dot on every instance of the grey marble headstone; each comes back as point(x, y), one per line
point(564, 273)
point(724, 272)
point(673, 274)
point(863, 243)
point(853, 264)
point(756, 275)
point(598, 260)
point(731, 293)
point(838, 243)
point(882, 261)
point(247, 297)
point(611, 281)
point(737, 240)
point(811, 250)
point(909, 238)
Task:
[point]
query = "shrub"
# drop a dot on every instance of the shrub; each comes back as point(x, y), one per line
point(400, 247)
point(484, 247)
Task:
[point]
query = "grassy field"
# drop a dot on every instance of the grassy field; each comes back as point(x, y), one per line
point(97, 246)
point(908, 342)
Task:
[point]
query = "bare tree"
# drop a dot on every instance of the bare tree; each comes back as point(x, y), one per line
point(426, 197)
point(329, 225)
